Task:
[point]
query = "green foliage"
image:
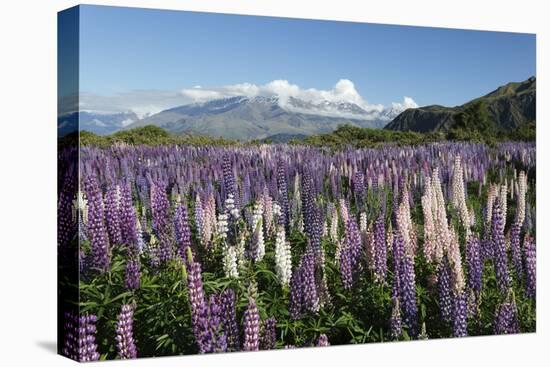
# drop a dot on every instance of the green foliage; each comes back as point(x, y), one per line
point(149, 135)
point(367, 138)
point(473, 124)
point(525, 132)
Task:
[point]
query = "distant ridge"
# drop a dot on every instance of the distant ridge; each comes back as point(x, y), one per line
point(509, 106)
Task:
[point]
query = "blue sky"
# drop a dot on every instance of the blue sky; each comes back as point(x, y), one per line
point(126, 49)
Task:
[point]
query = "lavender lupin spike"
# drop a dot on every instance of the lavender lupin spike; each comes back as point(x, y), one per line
point(445, 291)
point(251, 325)
point(182, 230)
point(112, 214)
point(96, 226)
point(529, 250)
point(230, 320)
point(515, 247)
point(268, 338)
point(499, 245)
point(506, 318)
point(125, 344)
point(380, 257)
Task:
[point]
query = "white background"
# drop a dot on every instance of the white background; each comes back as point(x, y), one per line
point(28, 184)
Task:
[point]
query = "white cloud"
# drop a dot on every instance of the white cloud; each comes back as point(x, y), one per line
point(408, 102)
point(343, 91)
point(144, 102)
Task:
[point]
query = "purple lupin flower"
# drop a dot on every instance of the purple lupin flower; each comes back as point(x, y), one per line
point(444, 289)
point(129, 233)
point(203, 334)
point(251, 326)
point(530, 253)
point(216, 325)
point(398, 250)
point(182, 230)
point(358, 185)
point(380, 256)
point(346, 270)
point(132, 276)
point(499, 245)
point(310, 295)
point(199, 307)
point(66, 227)
point(460, 314)
point(351, 250)
point(395, 320)
point(515, 247)
point(112, 214)
point(308, 203)
point(487, 250)
point(506, 319)
point(407, 287)
point(473, 261)
point(199, 217)
point(229, 184)
point(230, 320)
point(79, 341)
point(323, 341)
point(283, 193)
point(408, 295)
point(96, 226)
point(269, 334)
point(70, 337)
point(160, 207)
point(87, 344)
point(295, 304)
point(125, 344)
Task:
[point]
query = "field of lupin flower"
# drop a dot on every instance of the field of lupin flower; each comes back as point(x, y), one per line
point(206, 249)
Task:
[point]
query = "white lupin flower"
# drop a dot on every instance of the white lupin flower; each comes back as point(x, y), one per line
point(429, 221)
point(442, 235)
point(404, 223)
point(258, 231)
point(456, 263)
point(80, 205)
point(459, 194)
point(267, 211)
point(334, 224)
point(504, 201)
point(240, 250)
point(522, 192)
point(283, 257)
point(492, 193)
point(230, 207)
point(222, 226)
point(277, 212)
point(363, 222)
point(344, 213)
point(230, 262)
point(325, 229)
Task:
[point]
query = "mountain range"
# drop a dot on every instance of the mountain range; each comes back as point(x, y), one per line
point(240, 118)
point(247, 118)
point(508, 106)
point(281, 119)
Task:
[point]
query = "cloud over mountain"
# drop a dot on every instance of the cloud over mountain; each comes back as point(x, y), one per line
point(342, 92)
point(320, 101)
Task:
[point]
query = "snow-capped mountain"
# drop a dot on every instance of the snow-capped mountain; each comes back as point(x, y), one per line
point(259, 117)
